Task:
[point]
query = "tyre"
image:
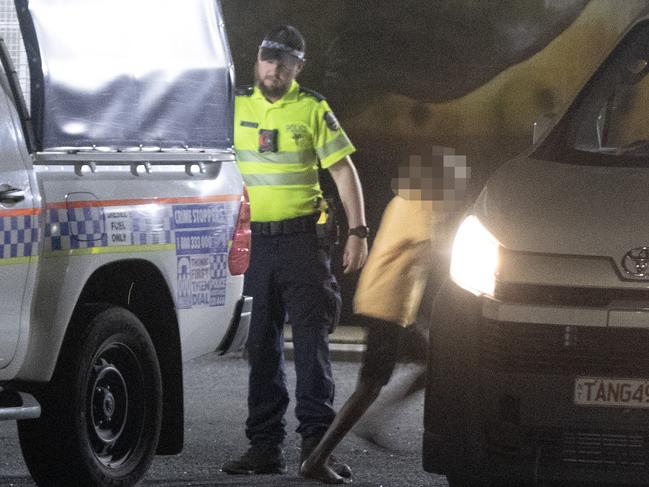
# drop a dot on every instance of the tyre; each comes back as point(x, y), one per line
point(102, 410)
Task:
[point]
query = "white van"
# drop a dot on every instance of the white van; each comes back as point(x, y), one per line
point(124, 229)
point(539, 358)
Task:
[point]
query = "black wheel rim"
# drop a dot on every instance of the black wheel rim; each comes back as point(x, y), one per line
point(116, 409)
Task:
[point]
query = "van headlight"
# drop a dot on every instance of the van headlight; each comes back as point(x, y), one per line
point(474, 258)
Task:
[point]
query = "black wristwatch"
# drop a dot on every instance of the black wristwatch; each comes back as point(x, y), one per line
point(360, 231)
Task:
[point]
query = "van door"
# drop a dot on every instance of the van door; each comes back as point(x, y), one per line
point(18, 224)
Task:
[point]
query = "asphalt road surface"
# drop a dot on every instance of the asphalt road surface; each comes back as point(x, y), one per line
point(215, 411)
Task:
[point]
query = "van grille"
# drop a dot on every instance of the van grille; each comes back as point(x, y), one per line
point(586, 448)
point(582, 297)
point(564, 350)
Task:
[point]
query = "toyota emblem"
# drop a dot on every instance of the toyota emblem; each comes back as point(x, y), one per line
point(636, 262)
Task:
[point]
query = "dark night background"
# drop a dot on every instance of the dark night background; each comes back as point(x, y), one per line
point(404, 76)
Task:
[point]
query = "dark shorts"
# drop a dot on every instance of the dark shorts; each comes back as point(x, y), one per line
point(384, 340)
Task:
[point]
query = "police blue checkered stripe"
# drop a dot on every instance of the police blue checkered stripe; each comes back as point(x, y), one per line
point(148, 238)
point(18, 237)
point(84, 227)
point(145, 222)
point(75, 228)
point(220, 265)
point(151, 229)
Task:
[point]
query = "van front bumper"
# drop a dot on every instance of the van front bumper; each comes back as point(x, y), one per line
point(500, 399)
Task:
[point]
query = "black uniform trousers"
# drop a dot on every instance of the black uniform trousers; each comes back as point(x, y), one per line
point(290, 276)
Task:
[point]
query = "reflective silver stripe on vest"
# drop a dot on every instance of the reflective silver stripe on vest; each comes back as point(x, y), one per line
point(302, 157)
point(335, 145)
point(283, 179)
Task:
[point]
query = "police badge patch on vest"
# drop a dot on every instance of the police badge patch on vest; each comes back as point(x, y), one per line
point(300, 135)
point(332, 121)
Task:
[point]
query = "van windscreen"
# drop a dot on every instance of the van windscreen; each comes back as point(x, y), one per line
point(612, 115)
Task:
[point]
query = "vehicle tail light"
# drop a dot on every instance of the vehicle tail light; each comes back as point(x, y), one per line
point(240, 251)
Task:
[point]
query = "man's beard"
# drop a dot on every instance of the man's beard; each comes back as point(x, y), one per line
point(276, 91)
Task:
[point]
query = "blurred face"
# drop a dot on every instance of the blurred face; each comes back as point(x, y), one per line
point(274, 72)
point(438, 177)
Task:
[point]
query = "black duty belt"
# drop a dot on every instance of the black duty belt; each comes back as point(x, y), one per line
point(301, 224)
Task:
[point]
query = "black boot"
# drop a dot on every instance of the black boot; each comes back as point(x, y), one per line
point(259, 459)
point(309, 444)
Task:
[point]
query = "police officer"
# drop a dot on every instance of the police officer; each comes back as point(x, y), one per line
point(282, 133)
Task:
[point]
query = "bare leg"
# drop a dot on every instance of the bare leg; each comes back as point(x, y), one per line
point(379, 359)
point(315, 466)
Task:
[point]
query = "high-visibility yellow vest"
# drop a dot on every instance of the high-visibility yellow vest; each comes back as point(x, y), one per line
point(278, 146)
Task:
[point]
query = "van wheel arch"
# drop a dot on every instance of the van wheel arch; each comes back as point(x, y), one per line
point(102, 410)
point(139, 286)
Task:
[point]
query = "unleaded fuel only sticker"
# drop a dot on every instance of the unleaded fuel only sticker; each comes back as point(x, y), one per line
point(201, 237)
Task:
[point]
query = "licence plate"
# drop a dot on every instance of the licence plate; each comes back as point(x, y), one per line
point(607, 392)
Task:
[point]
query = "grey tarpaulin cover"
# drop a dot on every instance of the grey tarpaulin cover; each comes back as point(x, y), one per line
point(123, 74)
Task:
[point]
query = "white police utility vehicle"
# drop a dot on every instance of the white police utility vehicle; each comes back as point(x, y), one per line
point(539, 363)
point(124, 228)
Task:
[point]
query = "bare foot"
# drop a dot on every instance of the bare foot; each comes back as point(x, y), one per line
point(321, 472)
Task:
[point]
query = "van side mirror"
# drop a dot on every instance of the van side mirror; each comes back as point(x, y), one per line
point(541, 126)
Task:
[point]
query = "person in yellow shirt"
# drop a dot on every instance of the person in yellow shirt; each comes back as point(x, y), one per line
point(411, 241)
point(282, 134)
